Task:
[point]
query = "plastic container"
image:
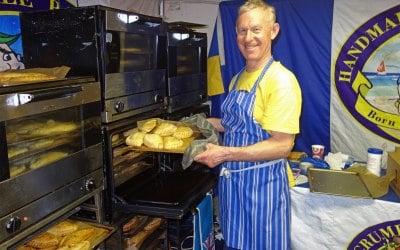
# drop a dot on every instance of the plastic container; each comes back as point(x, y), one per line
point(374, 160)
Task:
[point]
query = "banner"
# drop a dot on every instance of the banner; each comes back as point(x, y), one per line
point(365, 89)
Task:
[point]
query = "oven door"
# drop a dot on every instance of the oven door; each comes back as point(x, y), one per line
point(51, 152)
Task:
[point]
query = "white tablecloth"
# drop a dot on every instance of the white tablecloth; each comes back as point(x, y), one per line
point(321, 221)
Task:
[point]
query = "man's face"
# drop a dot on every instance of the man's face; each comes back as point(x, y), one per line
point(255, 33)
point(8, 59)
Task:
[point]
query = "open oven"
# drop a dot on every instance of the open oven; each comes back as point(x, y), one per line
point(51, 161)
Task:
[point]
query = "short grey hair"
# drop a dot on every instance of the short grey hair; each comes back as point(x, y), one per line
point(253, 4)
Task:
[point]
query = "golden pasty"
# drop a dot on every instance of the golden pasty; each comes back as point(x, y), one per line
point(83, 245)
point(21, 77)
point(17, 170)
point(45, 240)
point(41, 144)
point(165, 129)
point(47, 158)
point(130, 131)
point(135, 139)
point(153, 141)
point(183, 132)
point(171, 142)
point(63, 228)
point(14, 151)
point(77, 236)
point(54, 128)
point(148, 125)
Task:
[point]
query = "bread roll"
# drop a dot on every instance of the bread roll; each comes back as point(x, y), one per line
point(171, 142)
point(153, 141)
point(165, 129)
point(44, 240)
point(135, 139)
point(183, 132)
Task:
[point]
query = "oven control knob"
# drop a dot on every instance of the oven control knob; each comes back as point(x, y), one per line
point(158, 99)
point(89, 185)
point(119, 106)
point(13, 224)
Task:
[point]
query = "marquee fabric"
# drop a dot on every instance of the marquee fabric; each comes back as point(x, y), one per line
point(308, 45)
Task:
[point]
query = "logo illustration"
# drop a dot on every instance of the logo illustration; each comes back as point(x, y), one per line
point(366, 74)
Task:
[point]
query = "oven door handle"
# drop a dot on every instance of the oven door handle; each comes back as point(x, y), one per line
point(24, 98)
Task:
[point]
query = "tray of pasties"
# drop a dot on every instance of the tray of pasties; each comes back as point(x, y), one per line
point(158, 135)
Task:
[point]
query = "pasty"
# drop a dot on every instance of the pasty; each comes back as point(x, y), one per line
point(14, 151)
point(165, 129)
point(44, 240)
point(183, 132)
point(83, 245)
point(133, 223)
point(41, 144)
point(77, 236)
point(171, 142)
point(21, 77)
point(135, 139)
point(47, 158)
point(63, 228)
point(153, 141)
point(17, 170)
point(148, 125)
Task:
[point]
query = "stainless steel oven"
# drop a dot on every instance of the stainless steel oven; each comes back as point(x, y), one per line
point(124, 51)
point(51, 159)
point(187, 66)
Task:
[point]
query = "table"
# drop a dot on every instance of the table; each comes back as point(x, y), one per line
point(322, 221)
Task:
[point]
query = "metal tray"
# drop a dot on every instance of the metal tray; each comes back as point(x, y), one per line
point(337, 182)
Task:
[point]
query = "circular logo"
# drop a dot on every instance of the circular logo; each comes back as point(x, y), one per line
point(366, 74)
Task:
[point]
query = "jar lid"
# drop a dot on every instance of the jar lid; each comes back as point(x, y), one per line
point(375, 150)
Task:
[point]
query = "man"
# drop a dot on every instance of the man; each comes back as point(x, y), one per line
point(260, 118)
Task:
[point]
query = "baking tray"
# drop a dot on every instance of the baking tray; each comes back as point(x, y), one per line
point(337, 182)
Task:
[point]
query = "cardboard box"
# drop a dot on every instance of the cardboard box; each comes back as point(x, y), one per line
point(393, 169)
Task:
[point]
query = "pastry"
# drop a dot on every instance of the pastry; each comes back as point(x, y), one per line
point(148, 125)
point(77, 236)
point(183, 132)
point(83, 245)
point(130, 131)
point(44, 240)
point(63, 228)
point(165, 129)
point(153, 141)
point(138, 239)
point(17, 170)
point(21, 77)
point(54, 128)
point(41, 144)
point(134, 223)
point(135, 139)
point(171, 142)
point(46, 159)
point(14, 151)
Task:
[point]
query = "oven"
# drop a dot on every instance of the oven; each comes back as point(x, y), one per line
point(186, 67)
point(141, 68)
point(51, 161)
point(124, 51)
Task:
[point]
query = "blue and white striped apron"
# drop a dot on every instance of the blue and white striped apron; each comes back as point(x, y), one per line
point(254, 202)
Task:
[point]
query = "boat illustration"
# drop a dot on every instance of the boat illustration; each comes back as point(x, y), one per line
point(381, 70)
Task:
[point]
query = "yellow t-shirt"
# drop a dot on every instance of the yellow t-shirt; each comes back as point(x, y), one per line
point(278, 100)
